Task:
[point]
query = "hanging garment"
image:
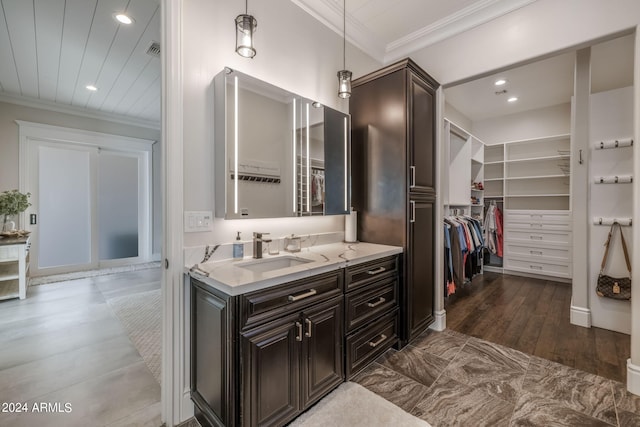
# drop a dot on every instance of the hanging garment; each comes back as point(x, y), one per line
point(498, 216)
point(449, 284)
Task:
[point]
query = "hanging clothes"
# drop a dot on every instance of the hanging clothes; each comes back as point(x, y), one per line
point(463, 251)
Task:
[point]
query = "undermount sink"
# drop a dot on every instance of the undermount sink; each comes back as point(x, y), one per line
point(270, 264)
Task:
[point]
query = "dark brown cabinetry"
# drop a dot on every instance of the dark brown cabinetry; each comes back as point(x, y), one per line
point(371, 312)
point(393, 174)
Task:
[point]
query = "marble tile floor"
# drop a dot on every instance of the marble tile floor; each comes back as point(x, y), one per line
point(451, 379)
point(63, 344)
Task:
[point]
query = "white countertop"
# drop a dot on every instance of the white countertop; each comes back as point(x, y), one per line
point(229, 277)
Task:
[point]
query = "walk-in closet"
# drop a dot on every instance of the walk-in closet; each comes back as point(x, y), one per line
point(540, 157)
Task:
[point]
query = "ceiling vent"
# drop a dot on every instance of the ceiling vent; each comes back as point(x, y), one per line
point(154, 49)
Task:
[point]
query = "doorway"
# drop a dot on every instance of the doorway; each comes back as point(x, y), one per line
point(91, 197)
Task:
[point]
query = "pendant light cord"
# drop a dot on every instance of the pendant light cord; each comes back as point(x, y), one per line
point(246, 7)
point(344, 34)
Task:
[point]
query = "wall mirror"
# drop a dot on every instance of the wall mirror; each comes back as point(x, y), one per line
point(277, 154)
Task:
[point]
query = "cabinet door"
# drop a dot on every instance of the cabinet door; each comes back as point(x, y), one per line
point(322, 359)
point(421, 136)
point(211, 356)
point(270, 373)
point(419, 286)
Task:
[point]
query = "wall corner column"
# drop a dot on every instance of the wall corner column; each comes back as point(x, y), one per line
point(440, 323)
point(580, 312)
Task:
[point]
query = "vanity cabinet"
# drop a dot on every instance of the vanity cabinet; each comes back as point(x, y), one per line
point(371, 312)
point(393, 175)
point(261, 358)
point(291, 362)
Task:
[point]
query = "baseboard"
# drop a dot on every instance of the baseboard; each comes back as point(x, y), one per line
point(440, 322)
point(580, 316)
point(187, 410)
point(633, 378)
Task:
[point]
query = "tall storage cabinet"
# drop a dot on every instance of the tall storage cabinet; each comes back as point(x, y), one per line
point(393, 174)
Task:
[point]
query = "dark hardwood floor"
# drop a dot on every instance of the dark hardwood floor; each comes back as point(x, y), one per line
point(532, 315)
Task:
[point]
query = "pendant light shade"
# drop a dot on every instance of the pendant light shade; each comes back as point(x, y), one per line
point(245, 28)
point(344, 75)
point(344, 83)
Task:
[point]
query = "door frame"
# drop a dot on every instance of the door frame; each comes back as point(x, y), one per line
point(37, 133)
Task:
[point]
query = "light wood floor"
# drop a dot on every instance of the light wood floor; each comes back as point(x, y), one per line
point(532, 316)
point(63, 344)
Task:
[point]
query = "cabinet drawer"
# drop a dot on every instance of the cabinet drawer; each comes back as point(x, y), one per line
point(368, 343)
point(537, 225)
point(264, 305)
point(369, 302)
point(522, 236)
point(537, 253)
point(361, 274)
point(536, 267)
point(537, 216)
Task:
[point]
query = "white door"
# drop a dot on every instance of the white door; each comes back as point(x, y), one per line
point(91, 199)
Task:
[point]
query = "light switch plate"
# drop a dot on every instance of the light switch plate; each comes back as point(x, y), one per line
point(198, 221)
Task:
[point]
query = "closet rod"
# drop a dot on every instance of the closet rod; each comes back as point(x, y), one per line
point(615, 143)
point(609, 221)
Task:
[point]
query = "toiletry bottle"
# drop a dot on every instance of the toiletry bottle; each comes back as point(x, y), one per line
point(238, 248)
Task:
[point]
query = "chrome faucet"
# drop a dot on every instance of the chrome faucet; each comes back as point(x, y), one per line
point(258, 238)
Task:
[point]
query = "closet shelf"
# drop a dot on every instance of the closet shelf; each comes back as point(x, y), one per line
point(493, 197)
point(537, 195)
point(493, 179)
point(513, 178)
point(535, 159)
point(498, 162)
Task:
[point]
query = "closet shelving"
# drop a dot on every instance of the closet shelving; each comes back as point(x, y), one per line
point(530, 179)
point(466, 192)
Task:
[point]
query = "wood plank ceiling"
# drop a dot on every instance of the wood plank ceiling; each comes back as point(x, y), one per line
point(50, 50)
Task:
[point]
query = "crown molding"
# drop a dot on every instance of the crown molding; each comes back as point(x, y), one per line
point(329, 13)
point(465, 19)
point(76, 111)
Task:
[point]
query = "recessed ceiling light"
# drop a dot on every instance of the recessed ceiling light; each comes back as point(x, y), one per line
point(500, 82)
point(92, 88)
point(123, 19)
point(512, 99)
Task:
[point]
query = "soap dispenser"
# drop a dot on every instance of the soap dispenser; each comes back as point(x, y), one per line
point(238, 248)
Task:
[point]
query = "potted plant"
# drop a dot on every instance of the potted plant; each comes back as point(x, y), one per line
point(12, 202)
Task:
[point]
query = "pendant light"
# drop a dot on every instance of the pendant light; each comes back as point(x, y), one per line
point(245, 27)
point(344, 75)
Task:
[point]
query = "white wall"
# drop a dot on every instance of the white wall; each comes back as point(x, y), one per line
point(536, 30)
point(295, 52)
point(537, 123)
point(456, 116)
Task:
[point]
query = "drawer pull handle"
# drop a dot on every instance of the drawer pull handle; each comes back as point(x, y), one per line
point(536, 252)
point(377, 343)
point(308, 333)
point(536, 225)
point(536, 237)
point(308, 294)
point(535, 267)
point(377, 303)
point(299, 335)
point(376, 271)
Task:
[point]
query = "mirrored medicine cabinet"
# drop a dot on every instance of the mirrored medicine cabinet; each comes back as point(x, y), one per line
point(277, 154)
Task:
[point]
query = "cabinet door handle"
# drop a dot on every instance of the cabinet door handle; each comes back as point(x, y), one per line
point(376, 271)
point(308, 294)
point(536, 237)
point(299, 335)
point(308, 333)
point(535, 267)
point(378, 342)
point(412, 183)
point(413, 211)
point(377, 303)
point(536, 225)
point(536, 252)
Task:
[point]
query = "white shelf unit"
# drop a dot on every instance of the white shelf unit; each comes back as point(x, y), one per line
point(14, 268)
point(465, 154)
